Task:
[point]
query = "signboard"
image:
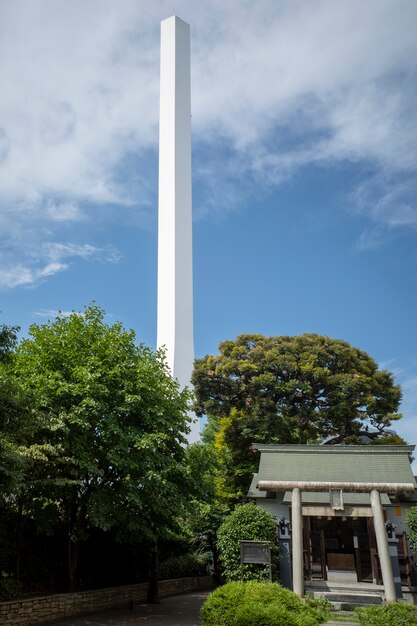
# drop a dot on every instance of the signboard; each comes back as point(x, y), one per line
point(255, 552)
point(336, 499)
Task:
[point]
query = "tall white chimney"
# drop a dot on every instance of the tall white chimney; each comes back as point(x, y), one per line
point(175, 328)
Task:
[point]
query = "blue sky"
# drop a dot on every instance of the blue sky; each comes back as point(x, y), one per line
point(304, 169)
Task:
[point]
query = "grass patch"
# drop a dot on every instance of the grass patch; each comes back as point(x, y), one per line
point(395, 614)
point(348, 617)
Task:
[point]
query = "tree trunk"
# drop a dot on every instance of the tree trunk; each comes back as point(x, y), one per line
point(216, 558)
point(153, 591)
point(73, 552)
point(19, 540)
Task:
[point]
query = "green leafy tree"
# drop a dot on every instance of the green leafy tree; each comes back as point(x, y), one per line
point(18, 423)
point(288, 390)
point(204, 513)
point(8, 338)
point(15, 416)
point(109, 446)
point(247, 523)
point(412, 525)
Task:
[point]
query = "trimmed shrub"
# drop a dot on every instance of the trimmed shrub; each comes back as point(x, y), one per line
point(247, 522)
point(396, 614)
point(191, 564)
point(258, 604)
point(257, 614)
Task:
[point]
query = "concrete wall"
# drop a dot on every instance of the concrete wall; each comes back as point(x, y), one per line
point(274, 505)
point(42, 610)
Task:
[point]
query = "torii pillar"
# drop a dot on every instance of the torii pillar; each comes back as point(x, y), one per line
point(175, 328)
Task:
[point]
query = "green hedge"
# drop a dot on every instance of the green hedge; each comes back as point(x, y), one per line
point(396, 614)
point(247, 522)
point(259, 604)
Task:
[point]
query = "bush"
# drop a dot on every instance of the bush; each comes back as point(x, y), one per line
point(191, 564)
point(321, 605)
point(251, 523)
point(396, 614)
point(411, 522)
point(258, 604)
point(10, 589)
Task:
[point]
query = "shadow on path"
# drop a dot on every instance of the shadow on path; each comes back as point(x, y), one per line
point(180, 610)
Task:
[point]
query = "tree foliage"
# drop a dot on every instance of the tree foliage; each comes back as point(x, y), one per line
point(15, 416)
point(247, 523)
point(412, 525)
point(299, 388)
point(108, 451)
point(288, 390)
point(204, 512)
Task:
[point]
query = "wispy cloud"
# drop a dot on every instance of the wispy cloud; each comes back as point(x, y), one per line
point(407, 427)
point(406, 376)
point(63, 211)
point(53, 313)
point(390, 201)
point(51, 259)
point(56, 252)
point(276, 87)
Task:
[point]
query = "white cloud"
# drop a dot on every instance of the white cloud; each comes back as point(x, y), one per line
point(406, 376)
point(319, 83)
point(277, 86)
point(16, 276)
point(49, 260)
point(407, 426)
point(53, 313)
point(409, 386)
point(390, 201)
point(63, 211)
point(58, 251)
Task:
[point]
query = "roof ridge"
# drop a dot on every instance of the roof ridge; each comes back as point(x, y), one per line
point(343, 449)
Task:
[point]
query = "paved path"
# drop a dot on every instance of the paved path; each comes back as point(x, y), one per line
point(173, 611)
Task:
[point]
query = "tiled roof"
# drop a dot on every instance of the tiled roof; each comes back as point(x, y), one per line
point(373, 464)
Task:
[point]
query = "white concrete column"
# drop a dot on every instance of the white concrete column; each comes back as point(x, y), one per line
point(175, 329)
point(297, 543)
point(383, 549)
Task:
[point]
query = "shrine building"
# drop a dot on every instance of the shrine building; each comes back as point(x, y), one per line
point(342, 509)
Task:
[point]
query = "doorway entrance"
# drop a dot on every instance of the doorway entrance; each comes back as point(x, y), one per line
point(340, 549)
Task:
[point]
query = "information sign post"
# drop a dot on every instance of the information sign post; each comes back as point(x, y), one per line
point(255, 552)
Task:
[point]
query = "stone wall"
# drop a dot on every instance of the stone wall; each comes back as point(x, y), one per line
point(42, 610)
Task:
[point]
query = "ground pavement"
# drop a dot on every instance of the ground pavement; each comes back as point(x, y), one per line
point(180, 610)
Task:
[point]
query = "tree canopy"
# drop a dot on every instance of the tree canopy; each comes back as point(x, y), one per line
point(15, 417)
point(299, 389)
point(108, 451)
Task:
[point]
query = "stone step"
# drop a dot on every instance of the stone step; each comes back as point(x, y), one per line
point(324, 585)
point(349, 601)
point(350, 598)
